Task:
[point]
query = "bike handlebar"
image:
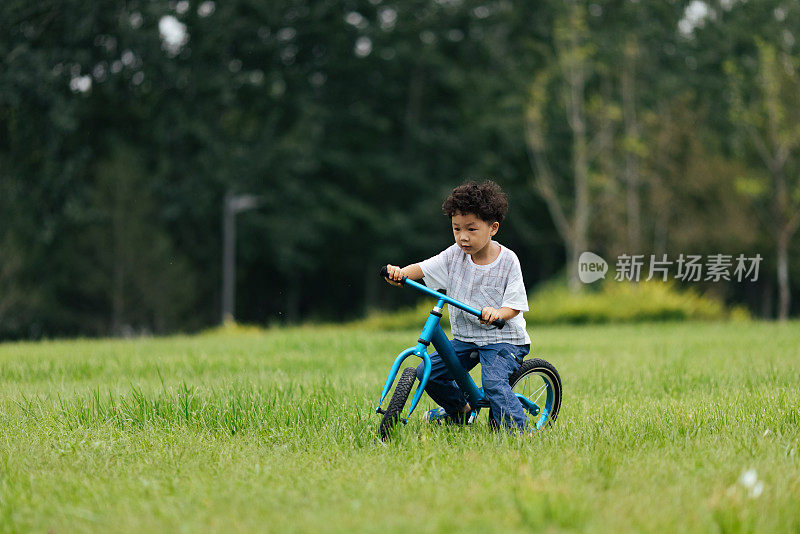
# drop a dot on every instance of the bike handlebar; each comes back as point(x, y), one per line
point(499, 323)
point(385, 274)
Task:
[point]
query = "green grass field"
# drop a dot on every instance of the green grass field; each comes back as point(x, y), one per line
point(276, 431)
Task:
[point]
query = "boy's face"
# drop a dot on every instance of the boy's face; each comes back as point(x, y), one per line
point(472, 234)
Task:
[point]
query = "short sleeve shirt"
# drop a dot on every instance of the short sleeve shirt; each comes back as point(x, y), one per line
point(497, 284)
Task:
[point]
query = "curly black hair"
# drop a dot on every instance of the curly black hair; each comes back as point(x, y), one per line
point(485, 200)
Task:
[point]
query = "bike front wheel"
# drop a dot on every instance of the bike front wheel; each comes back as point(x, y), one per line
point(540, 383)
point(401, 392)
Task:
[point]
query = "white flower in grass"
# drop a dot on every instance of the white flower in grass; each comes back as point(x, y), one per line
point(754, 487)
point(749, 478)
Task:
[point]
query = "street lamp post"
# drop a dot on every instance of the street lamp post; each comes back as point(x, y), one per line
point(232, 205)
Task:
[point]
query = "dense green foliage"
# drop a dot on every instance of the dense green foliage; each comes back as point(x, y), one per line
point(351, 120)
point(275, 431)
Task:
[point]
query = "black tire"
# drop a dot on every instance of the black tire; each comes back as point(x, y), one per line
point(529, 370)
point(399, 398)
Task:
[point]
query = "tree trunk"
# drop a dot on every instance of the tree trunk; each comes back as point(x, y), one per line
point(119, 251)
point(580, 168)
point(117, 296)
point(786, 225)
point(579, 240)
point(574, 250)
point(784, 290)
point(633, 204)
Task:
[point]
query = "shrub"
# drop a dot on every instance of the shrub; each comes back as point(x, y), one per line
point(612, 302)
point(404, 319)
point(625, 302)
point(232, 328)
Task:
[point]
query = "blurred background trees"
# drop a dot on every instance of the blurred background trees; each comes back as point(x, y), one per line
point(615, 126)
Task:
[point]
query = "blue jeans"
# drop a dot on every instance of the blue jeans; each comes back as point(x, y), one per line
point(498, 362)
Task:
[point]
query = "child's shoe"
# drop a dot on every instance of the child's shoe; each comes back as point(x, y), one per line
point(437, 415)
point(440, 415)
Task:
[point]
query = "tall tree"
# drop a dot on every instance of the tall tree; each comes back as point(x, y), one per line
point(568, 76)
point(768, 114)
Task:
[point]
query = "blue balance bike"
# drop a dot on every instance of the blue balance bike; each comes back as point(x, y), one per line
point(536, 383)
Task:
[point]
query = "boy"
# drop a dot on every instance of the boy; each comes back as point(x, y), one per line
point(478, 272)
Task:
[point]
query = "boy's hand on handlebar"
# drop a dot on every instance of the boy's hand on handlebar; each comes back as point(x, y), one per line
point(489, 315)
point(395, 275)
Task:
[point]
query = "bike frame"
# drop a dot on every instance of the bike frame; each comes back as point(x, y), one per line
point(432, 333)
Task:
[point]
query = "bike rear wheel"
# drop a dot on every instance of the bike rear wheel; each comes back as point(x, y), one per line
point(540, 383)
point(401, 392)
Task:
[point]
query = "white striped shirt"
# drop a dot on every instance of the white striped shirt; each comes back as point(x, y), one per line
point(497, 285)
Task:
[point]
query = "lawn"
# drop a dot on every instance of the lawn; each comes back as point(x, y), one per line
point(680, 427)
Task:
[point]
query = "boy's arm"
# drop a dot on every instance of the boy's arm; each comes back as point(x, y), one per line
point(413, 272)
point(490, 314)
